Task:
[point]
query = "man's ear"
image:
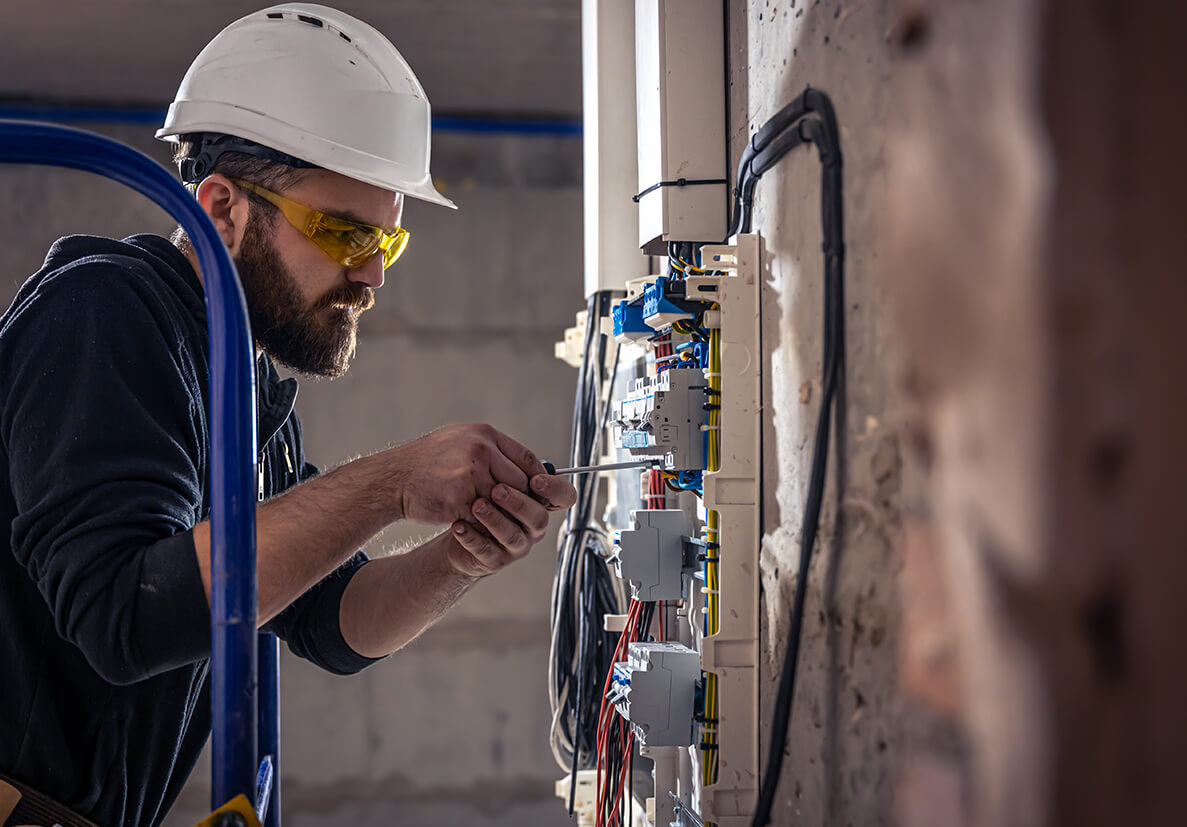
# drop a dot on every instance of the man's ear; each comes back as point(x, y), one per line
point(228, 208)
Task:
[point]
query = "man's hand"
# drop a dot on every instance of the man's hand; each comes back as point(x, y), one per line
point(510, 525)
point(441, 474)
point(477, 478)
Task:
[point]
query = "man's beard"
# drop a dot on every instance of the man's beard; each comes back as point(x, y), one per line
point(318, 341)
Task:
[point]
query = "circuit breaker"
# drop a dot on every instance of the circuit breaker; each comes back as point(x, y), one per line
point(665, 417)
point(650, 554)
point(655, 690)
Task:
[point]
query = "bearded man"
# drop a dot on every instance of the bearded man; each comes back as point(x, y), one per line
point(300, 131)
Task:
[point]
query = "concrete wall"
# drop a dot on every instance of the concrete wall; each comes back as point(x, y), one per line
point(841, 758)
point(453, 729)
point(994, 611)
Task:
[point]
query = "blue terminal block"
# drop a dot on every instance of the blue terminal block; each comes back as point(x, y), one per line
point(628, 321)
point(658, 310)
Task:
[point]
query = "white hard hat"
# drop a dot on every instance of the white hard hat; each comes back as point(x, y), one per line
point(318, 85)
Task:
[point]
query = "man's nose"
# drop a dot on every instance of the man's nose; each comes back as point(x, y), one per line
point(370, 274)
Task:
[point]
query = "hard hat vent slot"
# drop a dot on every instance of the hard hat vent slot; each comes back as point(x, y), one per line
point(312, 21)
point(344, 36)
point(275, 15)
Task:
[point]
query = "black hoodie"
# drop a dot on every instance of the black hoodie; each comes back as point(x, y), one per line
point(104, 626)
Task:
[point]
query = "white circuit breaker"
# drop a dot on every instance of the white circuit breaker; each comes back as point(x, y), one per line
point(665, 417)
point(650, 554)
point(655, 690)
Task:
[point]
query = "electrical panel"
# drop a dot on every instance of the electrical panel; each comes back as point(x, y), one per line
point(655, 689)
point(682, 689)
point(654, 616)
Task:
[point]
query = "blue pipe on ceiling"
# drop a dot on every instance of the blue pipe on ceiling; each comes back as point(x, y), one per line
point(155, 117)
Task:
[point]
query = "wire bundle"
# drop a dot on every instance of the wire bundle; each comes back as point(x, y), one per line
point(583, 590)
point(711, 568)
point(615, 740)
point(655, 495)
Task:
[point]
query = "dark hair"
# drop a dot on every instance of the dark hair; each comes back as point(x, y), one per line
point(256, 168)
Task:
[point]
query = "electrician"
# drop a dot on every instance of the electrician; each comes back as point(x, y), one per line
point(301, 130)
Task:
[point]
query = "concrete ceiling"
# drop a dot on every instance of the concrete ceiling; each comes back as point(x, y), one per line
point(490, 57)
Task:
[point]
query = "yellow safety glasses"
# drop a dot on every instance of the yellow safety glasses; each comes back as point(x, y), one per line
point(348, 242)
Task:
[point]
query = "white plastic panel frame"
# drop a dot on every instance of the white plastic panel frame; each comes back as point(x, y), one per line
point(734, 492)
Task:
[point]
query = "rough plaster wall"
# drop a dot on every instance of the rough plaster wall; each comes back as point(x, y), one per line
point(841, 758)
point(453, 729)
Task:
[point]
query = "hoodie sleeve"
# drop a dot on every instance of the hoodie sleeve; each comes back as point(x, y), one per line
point(102, 432)
point(310, 624)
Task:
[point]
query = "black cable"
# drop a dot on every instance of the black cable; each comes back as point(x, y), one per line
point(809, 101)
point(576, 617)
point(763, 161)
point(824, 134)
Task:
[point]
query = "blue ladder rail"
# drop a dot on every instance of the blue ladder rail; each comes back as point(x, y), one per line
point(234, 711)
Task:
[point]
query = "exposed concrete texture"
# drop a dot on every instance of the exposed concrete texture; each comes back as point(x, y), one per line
point(453, 729)
point(841, 755)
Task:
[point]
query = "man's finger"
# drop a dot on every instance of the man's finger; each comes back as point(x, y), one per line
point(487, 553)
point(557, 492)
point(507, 532)
point(531, 514)
point(527, 461)
point(506, 471)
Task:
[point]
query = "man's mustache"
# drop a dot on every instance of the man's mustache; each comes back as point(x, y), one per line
point(355, 296)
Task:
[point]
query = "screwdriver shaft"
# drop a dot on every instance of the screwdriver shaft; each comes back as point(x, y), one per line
point(611, 466)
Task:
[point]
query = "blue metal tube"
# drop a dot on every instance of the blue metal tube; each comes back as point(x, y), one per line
point(232, 437)
point(270, 719)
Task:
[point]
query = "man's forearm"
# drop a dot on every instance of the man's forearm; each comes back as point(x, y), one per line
point(305, 533)
point(392, 600)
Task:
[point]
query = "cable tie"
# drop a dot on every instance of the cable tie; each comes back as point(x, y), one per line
point(679, 182)
point(710, 427)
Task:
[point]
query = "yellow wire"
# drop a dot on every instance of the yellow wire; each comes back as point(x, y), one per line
point(712, 572)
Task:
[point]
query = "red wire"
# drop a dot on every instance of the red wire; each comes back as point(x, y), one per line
point(605, 720)
point(630, 745)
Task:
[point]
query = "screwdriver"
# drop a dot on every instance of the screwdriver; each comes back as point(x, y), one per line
point(594, 469)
